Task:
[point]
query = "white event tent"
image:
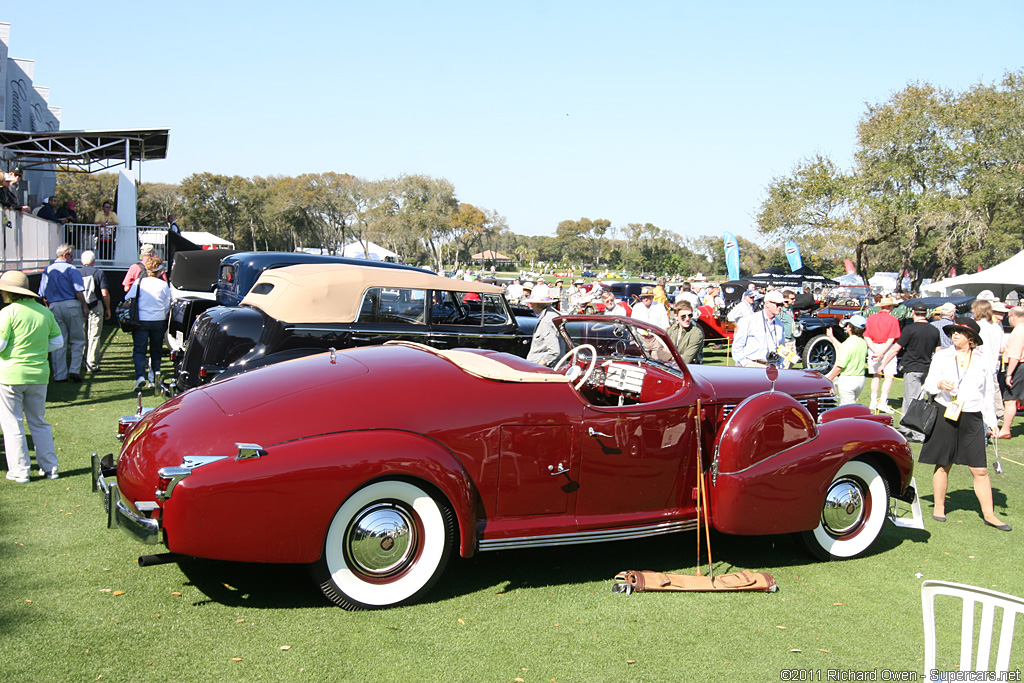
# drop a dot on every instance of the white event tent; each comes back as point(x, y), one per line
point(1000, 279)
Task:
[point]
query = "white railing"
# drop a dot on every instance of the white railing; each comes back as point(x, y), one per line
point(30, 243)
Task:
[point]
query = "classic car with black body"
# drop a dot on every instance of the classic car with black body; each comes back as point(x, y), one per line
point(341, 460)
point(299, 310)
point(203, 279)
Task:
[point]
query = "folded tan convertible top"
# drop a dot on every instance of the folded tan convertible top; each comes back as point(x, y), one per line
point(332, 293)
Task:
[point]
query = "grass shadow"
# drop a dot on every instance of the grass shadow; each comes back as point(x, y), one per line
point(255, 585)
point(273, 586)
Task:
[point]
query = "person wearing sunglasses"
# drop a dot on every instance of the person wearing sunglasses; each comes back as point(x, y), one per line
point(686, 334)
point(759, 336)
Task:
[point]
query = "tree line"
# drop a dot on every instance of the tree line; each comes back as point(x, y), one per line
point(937, 183)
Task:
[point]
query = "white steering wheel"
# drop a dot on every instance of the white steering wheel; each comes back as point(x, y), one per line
point(572, 355)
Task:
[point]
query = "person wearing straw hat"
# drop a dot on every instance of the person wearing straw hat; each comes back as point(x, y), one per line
point(546, 347)
point(881, 331)
point(28, 333)
point(962, 382)
point(649, 310)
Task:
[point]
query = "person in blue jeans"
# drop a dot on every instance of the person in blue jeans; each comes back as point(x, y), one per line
point(154, 304)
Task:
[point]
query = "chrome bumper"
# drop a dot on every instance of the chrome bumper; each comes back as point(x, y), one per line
point(121, 513)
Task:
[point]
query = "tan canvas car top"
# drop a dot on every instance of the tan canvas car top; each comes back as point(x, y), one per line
point(332, 293)
point(483, 366)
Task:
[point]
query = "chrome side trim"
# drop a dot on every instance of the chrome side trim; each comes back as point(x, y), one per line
point(588, 536)
point(254, 450)
point(176, 474)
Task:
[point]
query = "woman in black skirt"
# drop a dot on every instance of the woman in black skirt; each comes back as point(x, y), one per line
point(963, 385)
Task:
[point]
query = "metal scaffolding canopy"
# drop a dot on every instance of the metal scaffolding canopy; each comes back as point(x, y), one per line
point(83, 151)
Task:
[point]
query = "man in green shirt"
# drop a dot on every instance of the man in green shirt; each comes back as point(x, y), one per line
point(851, 361)
point(28, 333)
point(686, 334)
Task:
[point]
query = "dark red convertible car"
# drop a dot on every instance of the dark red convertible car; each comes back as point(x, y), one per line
point(375, 464)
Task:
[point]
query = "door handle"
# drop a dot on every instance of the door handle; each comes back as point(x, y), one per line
point(592, 432)
point(561, 469)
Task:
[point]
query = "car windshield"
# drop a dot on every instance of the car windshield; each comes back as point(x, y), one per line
point(621, 339)
point(849, 295)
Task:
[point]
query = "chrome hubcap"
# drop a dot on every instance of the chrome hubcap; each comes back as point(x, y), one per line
point(844, 507)
point(381, 540)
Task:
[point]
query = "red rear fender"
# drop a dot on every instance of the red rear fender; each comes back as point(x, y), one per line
point(228, 509)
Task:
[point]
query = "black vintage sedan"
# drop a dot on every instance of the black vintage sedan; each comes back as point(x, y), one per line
point(299, 310)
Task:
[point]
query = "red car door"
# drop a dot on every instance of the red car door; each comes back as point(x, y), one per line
point(635, 464)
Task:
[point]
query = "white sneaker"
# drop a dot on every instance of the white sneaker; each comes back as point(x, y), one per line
point(874, 405)
point(884, 408)
point(17, 480)
point(140, 383)
point(49, 475)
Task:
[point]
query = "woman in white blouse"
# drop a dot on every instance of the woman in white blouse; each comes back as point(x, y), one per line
point(961, 380)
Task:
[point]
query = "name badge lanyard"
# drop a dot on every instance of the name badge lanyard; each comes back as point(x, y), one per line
point(954, 408)
point(769, 335)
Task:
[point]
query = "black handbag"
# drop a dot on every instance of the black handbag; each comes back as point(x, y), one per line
point(128, 313)
point(921, 414)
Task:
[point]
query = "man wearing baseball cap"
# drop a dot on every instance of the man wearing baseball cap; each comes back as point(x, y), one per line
point(745, 307)
point(851, 361)
point(918, 341)
point(759, 335)
point(947, 311)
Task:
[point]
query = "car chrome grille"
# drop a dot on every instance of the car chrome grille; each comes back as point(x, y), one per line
point(824, 403)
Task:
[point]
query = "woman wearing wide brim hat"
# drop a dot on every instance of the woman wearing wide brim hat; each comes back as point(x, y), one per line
point(961, 380)
point(28, 333)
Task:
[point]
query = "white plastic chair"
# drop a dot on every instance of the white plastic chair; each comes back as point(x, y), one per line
point(990, 600)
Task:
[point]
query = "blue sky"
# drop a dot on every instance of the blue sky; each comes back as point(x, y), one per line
point(673, 113)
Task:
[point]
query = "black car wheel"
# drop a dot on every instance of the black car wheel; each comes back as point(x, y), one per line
point(820, 354)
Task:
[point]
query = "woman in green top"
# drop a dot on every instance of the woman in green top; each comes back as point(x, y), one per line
point(28, 332)
point(851, 361)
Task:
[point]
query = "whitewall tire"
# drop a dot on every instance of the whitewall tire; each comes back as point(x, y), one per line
point(854, 512)
point(387, 545)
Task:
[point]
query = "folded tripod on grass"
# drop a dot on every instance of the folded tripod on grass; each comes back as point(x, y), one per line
point(630, 580)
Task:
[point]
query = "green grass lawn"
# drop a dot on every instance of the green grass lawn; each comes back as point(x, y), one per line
point(76, 607)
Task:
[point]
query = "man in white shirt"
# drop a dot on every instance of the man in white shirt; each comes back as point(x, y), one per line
point(758, 336)
point(611, 306)
point(745, 307)
point(649, 310)
point(685, 293)
point(514, 292)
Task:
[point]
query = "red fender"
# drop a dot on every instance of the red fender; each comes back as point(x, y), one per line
point(774, 464)
point(228, 509)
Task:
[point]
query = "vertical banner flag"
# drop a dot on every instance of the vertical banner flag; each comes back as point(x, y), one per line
point(849, 266)
point(793, 254)
point(732, 256)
